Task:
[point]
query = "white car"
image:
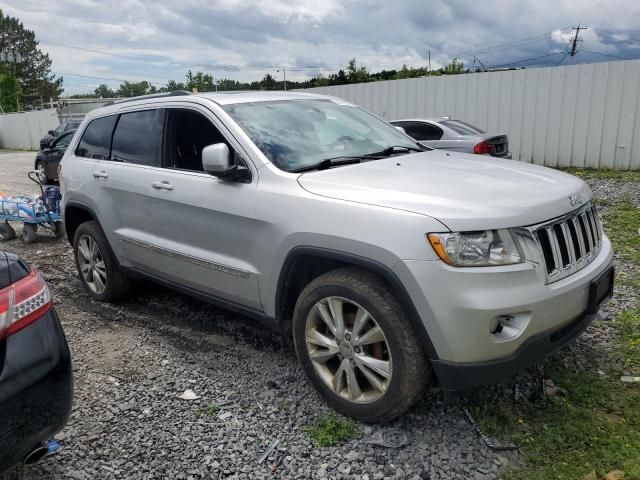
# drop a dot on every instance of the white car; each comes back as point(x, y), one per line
point(448, 134)
point(388, 265)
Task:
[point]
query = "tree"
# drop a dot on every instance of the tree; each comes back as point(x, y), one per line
point(357, 74)
point(34, 70)
point(202, 82)
point(10, 92)
point(454, 67)
point(172, 86)
point(135, 89)
point(268, 82)
point(103, 91)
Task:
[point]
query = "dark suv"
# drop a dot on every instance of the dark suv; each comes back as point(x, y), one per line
point(53, 134)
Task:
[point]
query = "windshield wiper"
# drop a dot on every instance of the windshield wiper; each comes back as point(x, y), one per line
point(349, 159)
point(328, 163)
point(387, 152)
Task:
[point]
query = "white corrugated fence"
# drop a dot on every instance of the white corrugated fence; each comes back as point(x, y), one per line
point(23, 131)
point(580, 115)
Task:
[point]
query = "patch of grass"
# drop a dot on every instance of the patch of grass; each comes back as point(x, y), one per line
point(211, 411)
point(628, 329)
point(598, 173)
point(330, 430)
point(622, 224)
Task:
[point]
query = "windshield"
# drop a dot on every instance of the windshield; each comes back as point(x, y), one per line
point(294, 134)
point(463, 128)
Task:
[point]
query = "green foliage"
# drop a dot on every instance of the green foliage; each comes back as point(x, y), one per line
point(34, 71)
point(453, 68)
point(200, 82)
point(621, 224)
point(135, 89)
point(211, 411)
point(615, 175)
point(10, 93)
point(330, 430)
point(104, 91)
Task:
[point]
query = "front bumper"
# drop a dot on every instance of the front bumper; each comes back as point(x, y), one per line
point(459, 308)
point(36, 388)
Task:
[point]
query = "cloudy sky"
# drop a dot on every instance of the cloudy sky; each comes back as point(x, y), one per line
point(244, 39)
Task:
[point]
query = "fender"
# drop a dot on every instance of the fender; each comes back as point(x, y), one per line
point(380, 269)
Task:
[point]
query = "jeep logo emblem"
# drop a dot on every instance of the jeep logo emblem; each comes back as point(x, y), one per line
point(576, 200)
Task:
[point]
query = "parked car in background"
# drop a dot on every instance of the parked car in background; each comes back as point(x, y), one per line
point(386, 263)
point(47, 159)
point(36, 384)
point(59, 130)
point(448, 134)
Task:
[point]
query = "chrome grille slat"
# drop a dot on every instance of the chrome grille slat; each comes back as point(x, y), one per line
point(577, 236)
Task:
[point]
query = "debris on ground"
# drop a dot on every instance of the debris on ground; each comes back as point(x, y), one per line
point(389, 438)
point(268, 451)
point(629, 379)
point(614, 475)
point(552, 390)
point(494, 445)
point(188, 395)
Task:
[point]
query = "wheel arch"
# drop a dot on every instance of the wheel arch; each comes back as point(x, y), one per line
point(303, 264)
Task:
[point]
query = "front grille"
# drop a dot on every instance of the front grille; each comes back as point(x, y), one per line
point(569, 243)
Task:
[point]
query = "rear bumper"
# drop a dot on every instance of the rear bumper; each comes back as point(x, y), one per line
point(460, 376)
point(36, 388)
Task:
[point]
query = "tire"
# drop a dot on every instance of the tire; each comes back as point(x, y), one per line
point(360, 292)
point(6, 231)
point(29, 233)
point(57, 228)
point(113, 284)
point(42, 173)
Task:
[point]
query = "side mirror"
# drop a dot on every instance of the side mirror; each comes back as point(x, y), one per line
point(401, 129)
point(51, 132)
point(216, 160)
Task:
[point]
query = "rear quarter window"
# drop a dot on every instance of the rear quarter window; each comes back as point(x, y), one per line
point(96, 139)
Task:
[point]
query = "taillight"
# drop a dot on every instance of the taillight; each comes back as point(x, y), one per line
point(483, 148)
point(22, 303)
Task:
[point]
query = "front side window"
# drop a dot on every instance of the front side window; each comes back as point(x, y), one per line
point(295, 134)
point(138, 138)
point(63, 142)
point(96, 139)
point(188, 132)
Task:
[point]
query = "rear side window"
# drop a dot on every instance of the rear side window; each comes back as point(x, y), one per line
point(138, 138)
point(96, 139)
point(422, 131)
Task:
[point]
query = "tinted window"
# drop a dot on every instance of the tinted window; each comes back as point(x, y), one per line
point(138, 138)
point(96, 139)
point(188, 132)
point(421, 131)
point(63, 141)
point(462, 128)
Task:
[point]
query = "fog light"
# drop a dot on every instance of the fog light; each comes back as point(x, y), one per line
point(507, 327)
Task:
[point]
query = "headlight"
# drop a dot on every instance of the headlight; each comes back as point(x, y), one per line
point(477, 249)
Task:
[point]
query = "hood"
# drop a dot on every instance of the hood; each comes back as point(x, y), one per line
point(465, 192)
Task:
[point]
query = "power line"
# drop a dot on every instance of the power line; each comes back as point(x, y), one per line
point(514, 44)
point(527, 60)
point(606, 54)
point(613, 33)
point(562, 59)
point(103, 78)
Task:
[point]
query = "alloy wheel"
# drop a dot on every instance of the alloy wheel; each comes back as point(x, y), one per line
point(348, 350)
point(92, 266)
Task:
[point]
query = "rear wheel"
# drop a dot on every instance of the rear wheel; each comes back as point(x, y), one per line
point(57, 228)
point(98, 270)
point(29, 233)
point(357, 346)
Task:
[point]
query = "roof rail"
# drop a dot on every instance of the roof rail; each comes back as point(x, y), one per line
point(175, 93)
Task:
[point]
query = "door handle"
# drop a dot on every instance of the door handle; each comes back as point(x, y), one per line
point(164, 185)
point(100, 174)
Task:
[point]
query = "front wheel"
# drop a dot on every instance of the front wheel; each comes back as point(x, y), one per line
point(357, 346)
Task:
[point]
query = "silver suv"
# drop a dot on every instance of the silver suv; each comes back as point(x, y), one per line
point(390, 265)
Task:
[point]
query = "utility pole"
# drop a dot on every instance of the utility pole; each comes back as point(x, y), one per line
point(429, 69)
point(574, 42)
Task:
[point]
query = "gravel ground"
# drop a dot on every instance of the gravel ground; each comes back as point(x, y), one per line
point(133, 360)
